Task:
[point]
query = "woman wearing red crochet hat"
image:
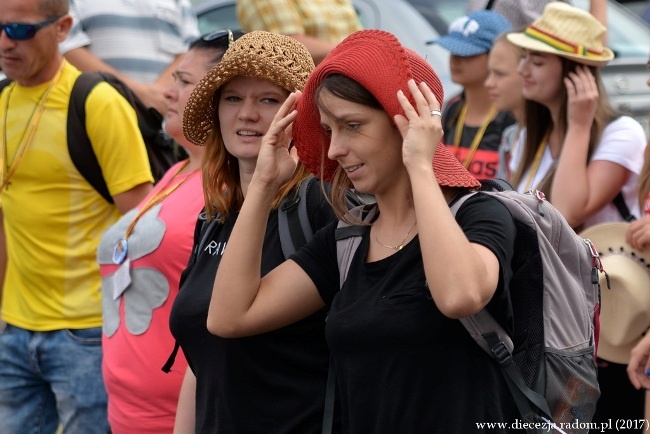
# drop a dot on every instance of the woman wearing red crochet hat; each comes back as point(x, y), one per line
point(369, 117)
point(586, 157)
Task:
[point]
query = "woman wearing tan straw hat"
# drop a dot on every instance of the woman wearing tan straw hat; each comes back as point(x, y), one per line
point(274, 382)
point(577, 149)
point(369, 117)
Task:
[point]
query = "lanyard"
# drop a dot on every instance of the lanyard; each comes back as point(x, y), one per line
point(537, 161)
point(158, 197)
point(7, 168)
point(477, 137)
point(120, 251)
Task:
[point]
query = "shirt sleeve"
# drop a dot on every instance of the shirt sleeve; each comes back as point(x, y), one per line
point(120, 151)
point(623, 142)
point(486, 221)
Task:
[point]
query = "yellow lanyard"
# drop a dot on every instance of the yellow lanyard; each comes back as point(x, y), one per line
point(477, 138)
point(7, 168)
point(537, 161)
point(158, 197)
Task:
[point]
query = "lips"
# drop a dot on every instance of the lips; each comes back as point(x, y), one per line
point(249, 133)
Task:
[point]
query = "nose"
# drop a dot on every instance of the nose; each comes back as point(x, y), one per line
point(336, 149)
point(488, 81)
point(248, 110)
point(171, 94)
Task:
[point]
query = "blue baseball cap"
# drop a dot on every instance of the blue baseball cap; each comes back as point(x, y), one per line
point(473, 34)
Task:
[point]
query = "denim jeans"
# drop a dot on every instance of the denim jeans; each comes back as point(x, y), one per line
point(47, 378)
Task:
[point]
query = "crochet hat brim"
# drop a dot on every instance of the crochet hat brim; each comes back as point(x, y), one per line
point(279, 59)
point(377, 61)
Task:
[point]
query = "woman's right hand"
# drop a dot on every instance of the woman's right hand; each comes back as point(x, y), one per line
point(277, 160)
point(638, 234)
point(639, 364)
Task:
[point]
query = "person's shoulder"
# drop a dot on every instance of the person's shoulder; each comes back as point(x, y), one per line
point(623, 129)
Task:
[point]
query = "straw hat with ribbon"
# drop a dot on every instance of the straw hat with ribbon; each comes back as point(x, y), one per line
point(280, 59)
point(377, 61)
point(566, 31)
point(625, 307)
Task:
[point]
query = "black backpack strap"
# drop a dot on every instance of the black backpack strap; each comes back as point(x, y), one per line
point(79, 146)
point(622, 208)
point(523, 395)
point(293, 219)
point(4, 83)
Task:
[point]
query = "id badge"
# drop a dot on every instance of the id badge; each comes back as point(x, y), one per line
point(121, 278)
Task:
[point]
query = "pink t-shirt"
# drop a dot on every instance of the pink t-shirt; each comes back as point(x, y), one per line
point(137, 340)
point(646, 205)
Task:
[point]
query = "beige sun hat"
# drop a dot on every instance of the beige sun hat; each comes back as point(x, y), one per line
point(280, 59)
point(625, 307)
point(566, 31)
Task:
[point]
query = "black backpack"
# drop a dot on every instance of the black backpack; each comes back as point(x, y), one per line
point(161, 150)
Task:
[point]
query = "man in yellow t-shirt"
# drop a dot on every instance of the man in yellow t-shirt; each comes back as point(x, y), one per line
point(318, 24)
point(52, 220)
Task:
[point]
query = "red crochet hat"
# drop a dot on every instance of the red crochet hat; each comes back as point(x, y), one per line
point(377, 61)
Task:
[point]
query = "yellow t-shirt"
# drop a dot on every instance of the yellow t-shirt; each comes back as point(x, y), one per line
point(53, 219)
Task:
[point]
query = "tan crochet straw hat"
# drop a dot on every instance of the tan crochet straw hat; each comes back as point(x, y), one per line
point(377, 61)
point(277, 58)
point(566, 31)
point(625, 308)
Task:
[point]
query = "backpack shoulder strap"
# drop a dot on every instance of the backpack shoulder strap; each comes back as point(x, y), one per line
point(79, 146)
point(4, 83)
point(293, 219)
point(348, 238)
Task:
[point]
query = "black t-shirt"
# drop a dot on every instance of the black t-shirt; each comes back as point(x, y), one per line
point(269, 383)
point(402, 366)
point(485, 162)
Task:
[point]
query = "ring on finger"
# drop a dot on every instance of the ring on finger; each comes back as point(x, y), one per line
point(435, 112)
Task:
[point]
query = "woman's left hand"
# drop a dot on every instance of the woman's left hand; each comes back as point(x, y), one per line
point(420, 126)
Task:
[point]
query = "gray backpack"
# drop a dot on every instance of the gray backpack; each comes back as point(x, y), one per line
point(549, 361)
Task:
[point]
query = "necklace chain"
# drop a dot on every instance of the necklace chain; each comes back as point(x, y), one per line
point(399, 246)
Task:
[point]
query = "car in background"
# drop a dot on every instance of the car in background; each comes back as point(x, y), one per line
point(415, 22)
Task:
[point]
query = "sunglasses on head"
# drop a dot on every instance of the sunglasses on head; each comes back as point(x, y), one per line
point(218, 34)
point(23, 31)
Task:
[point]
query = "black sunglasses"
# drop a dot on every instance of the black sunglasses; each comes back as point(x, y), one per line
point(23, 31)
point(218, 34)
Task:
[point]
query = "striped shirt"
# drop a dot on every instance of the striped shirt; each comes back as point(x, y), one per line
point(139, 38)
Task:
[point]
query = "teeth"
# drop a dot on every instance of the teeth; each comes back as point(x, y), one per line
point(350, 169)
point(247, 133)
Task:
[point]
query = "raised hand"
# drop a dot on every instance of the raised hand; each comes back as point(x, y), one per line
point(420, 126)
point(277, 161)
point(582, 93)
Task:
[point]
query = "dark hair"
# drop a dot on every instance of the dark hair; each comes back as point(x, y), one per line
point(218, 40)
point(53, 8)
point(349, 90)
